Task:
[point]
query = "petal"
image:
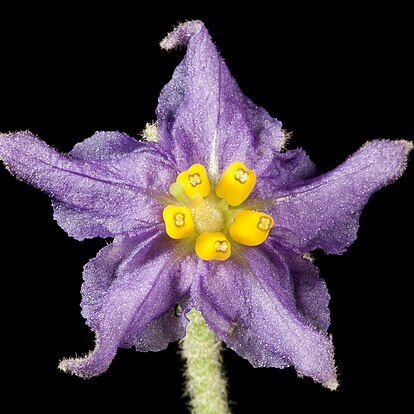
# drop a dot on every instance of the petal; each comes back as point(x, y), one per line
point(104, 146)
point(285, 171)
point(203, 117)
point(261, 306)
point(92, 197)
point(128, 294)
point(170, 327)
point(324, 212)
point(310, 292)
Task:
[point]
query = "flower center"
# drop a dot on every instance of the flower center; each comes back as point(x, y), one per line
point(208, 217)
point(211, 217)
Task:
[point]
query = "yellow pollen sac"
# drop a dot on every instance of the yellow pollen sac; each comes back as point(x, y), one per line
point(250, 228)
point(212, 246)
point(195, 180)
point(236, 183)
point(179, 223)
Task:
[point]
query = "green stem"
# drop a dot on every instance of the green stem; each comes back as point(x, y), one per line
point(205, 380)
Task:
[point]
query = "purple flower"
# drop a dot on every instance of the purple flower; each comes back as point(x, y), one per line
point(212, 215)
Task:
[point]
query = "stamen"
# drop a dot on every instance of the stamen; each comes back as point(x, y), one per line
point(236, 183)
point(178, 221)
point(212, 246)
point(209, 217)
point(250, 228)
point(195, 181)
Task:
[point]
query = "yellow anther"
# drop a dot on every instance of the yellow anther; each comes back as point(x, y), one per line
point(250, 227)
point(212, 246)
point(178, 221)
point(236, 183)
point(195, 181)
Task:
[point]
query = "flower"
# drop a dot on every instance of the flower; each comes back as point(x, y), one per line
point(209, 213)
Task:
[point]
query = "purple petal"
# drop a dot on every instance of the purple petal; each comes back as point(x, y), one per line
point(104, 146)
point(286, 170)
point(310, 293)
point(170, 327)
point(272, 309)
point(324, 212)
point(203, 117)
point(93, 197)
point(128, 297)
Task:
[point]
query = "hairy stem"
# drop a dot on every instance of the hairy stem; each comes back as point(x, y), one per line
point(205, 381)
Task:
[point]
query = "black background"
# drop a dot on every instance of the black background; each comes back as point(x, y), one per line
point(335, 77)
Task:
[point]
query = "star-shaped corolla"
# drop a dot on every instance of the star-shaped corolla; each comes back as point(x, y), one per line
point(214, 216)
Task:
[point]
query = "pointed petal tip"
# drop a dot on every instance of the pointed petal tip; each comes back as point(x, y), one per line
point(181, 34)
point(80, 367)
point(331, 385)
point(406, 148)
point(8, 142)
point(409, 145)
point(64, 366)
